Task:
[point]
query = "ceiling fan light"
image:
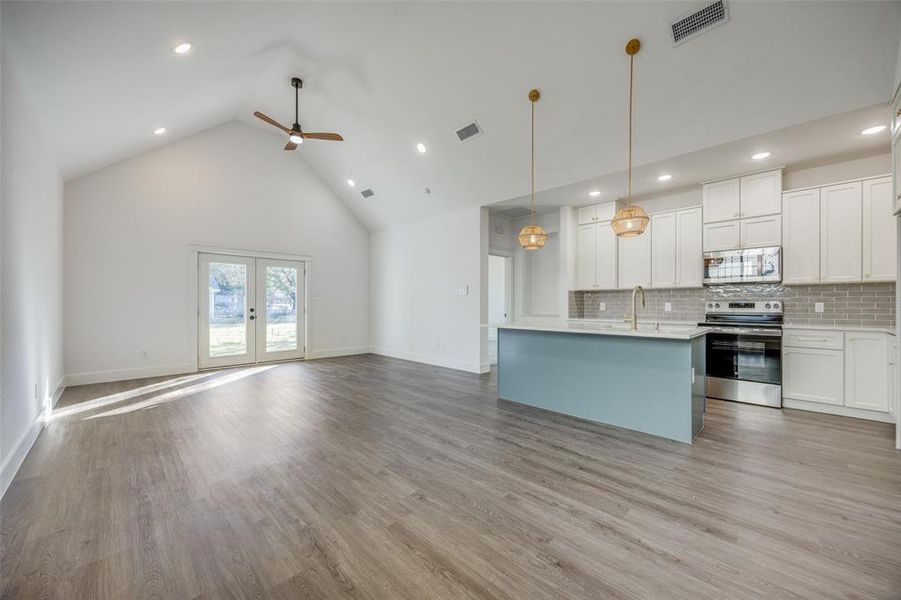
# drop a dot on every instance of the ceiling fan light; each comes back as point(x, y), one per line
point(630, 221)
point(532, 237)
point(295, 138)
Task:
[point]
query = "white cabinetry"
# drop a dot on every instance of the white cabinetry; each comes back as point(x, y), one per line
point(761, 194)
point(867, 371)
point(634, 260)
point(596, 256)
point(879, 230)
point(587, 214)
point(743, 212)
point(801, 237)
point(843, 372)
point(689, 256)
point(663, 250)
point(606, 256)
point(840, 233)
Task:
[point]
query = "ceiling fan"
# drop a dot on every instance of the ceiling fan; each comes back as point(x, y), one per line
point(296, 135)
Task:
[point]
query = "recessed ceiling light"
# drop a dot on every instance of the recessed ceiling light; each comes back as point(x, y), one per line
point(761, 155)
point(664, 177)
point(594, 193)
point(872, 130)
point(421, 147)
point(351, 183)
point(182, 48)
point(159, 131)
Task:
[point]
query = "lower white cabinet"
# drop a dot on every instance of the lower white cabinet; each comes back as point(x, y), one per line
point(813, 375)
point(850, 369)
point(867, 371)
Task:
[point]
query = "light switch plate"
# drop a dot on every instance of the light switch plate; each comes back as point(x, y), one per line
point(818, 307)
point(668, 307)
point(602, 306)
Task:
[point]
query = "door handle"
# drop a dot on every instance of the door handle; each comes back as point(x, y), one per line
point(251, 317)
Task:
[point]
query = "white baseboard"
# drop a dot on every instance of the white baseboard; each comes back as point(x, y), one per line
point(17, 455)
point(125, 374)
point(333, 352)
point(438, 361)
point(832, 409)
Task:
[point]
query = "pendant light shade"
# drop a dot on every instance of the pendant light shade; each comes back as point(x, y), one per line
point(630, 221)
point(532, 236)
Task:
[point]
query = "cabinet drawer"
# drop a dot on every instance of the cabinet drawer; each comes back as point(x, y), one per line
point(812, 338)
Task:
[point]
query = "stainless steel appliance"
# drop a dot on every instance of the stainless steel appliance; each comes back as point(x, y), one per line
point(744, 351)
point(747, 265)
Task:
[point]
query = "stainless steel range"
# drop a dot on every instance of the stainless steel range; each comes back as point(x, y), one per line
point(744, 351)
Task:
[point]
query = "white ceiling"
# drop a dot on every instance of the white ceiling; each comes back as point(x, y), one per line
point(388, 75)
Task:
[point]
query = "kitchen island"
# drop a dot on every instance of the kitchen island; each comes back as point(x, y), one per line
point(649, 380)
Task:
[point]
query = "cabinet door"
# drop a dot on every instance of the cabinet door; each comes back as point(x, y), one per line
point(689, 256)
point(721, 200)
point(840, 232)
point(879, 230)
point(761, 194)
point(586, 257)
point(606, 256)
point(634, 264)
point(896, 171)
point(813, 375)
point(721, 236)
point(587, 214)
point(866, 371)
point(801, 237)
point(663, 250)
point(761, 231)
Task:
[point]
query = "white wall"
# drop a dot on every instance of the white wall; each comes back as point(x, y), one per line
point(417, 272)
point(128, 279)
point(880, 164)
point(31, 286)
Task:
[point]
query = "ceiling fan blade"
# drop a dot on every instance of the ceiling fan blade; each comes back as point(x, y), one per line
point(333, 137)
point(290, 146)
point(260, 115)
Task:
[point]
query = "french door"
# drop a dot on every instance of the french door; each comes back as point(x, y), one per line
point(251, 310)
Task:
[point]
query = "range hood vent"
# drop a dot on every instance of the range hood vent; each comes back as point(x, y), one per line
point(469, 131)
point(694, 24)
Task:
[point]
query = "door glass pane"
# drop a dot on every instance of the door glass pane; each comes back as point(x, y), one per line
point(281, 309)
point(228, 302)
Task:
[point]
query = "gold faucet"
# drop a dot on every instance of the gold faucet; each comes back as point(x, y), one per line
point(636, 290)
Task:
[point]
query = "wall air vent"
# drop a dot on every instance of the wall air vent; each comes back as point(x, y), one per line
point(469, 131)
point(367, 193)
point(694, 24)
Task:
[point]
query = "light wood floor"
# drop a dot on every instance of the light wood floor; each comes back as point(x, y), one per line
point(368, 477)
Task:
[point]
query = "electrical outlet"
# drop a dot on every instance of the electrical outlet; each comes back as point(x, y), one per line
point(668, 307)
point(602, 306)
point(463, 291)
point(818, 307)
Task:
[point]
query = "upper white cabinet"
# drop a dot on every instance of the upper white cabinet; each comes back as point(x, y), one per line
point(721, 200)
point(689, 256)
point(801, 237)
point(743, 212)
point(841, 233)
point(663, 250)
point(587, 214)
point(596, 256)
point(879, 230)
point(634, 260)
point(761, 194)
point(867, 373)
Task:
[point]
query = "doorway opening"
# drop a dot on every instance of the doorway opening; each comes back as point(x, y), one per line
point(251, 310)
point(500, 298)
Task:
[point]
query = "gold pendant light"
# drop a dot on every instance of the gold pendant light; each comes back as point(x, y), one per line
point(533, 237)
point(630, 221)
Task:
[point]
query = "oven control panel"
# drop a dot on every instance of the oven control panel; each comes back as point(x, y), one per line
point(756, 307)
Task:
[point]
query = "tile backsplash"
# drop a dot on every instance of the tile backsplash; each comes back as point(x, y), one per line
point(849, 305)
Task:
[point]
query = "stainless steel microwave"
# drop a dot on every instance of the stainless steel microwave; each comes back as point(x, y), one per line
point(748, 265)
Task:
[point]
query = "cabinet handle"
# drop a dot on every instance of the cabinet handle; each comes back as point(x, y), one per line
point(811, 339)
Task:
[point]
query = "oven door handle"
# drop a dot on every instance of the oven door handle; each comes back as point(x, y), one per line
point(740, 331)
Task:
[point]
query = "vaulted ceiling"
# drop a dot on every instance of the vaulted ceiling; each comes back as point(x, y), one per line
point(388, 75)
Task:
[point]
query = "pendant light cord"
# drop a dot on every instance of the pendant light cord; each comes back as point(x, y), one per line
point(533, 162)
point(631, 61)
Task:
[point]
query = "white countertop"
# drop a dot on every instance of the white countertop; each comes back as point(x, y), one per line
point(838, 328)
point(645, 330)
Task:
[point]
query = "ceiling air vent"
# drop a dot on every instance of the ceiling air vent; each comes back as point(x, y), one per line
point(367, 193)
point(469, 131)
point(694, 24)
